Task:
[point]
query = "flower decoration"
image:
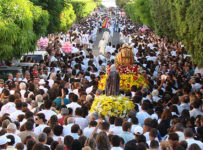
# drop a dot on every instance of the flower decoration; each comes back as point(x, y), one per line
point(129, 76)
point(42, 43)
point(67, 47)
point(117, 106)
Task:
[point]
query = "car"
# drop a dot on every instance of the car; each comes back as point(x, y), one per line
point(5, 70)
point(36, 55)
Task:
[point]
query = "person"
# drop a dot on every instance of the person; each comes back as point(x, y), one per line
point(102, 46)
point(11, 130)
point(126, 134)
point(189, 134)
point(106, 36)
point(115, 142)
point(112, 86)
point(28, 131)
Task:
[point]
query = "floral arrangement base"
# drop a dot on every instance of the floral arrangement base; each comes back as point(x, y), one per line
point(108, 106)
point(129, 76)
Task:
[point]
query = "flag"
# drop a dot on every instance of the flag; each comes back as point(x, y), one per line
point(106, 23)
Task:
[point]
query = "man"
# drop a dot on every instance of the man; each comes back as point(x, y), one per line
point(112, 86)
point(64, 113)
point(28, 131)
point(47, 112)
point(173, 139)
point(67, 128)
point(27, 77)
point(73, 98)
point(102, 46)
point(147, 127)
point(82, 122)
point(9, 107)
point(142, 115)
point(18, 111)
point(106, 36)
point(11, 130)
point(88, 130)
point(42, 138)
point(1, 85)
point(188, 133)
point(117, 129)
point(126, 134)
point(115, 142)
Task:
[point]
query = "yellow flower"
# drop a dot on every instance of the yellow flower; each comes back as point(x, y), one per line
point(118, 106)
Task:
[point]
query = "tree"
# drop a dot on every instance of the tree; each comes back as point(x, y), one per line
point(83, 8)
point(54, 7)
point(67, 17)
point(193, 39)
point(161, 14)
point(17, 35)
point(131, 13)
point(142, 9)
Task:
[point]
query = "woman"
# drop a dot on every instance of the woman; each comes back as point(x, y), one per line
point(53, 121)
point(165, 122)
point(102, 141)
point(40, 121)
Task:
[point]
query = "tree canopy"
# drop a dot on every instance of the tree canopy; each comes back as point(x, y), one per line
point(21, 25)
point(22, 22)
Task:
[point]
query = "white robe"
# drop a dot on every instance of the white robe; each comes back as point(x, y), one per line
point(106, 36)
point(102, 46)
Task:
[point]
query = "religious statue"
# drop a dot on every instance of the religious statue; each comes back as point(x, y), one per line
point(112, 86)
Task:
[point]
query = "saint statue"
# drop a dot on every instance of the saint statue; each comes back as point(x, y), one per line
point(112, 82)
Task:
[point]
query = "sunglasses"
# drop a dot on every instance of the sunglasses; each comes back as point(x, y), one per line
point(36, 118)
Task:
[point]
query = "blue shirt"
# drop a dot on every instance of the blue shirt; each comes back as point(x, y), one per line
point(127, 136)
point(58, 101)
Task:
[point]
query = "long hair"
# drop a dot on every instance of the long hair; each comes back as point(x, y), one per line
point(166, 115)
point(102, 141)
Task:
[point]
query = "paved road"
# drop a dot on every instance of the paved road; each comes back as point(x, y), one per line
point(115, 41)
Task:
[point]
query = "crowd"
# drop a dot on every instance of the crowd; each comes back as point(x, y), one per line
point(48, 106)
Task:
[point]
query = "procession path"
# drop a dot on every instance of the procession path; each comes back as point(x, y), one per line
point(115, 40)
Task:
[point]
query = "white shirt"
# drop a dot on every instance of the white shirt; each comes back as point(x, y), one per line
point(39, 129)
point(117, 130)
point(146, 134)
point(88, 131)
point(48, 114)
point(9, 108)
point(195, 112)
point(55, 138)
point(75, 136)
point(133, 127)
point(67, 129)
point(82, 122)
point(14, 115)
point(16, 137)
point(141, 116)
point(191, 141)
point(116, 148)
point(73, 105)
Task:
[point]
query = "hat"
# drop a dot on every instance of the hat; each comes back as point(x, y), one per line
point(11, 127)
point(155, 93)
point(138, 130)
point(41, 81)
point(64, 111)
point(4, 140)
point(1, 81)
point(89, 89)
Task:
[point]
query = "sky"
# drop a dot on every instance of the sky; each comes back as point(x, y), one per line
point(109, 3)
